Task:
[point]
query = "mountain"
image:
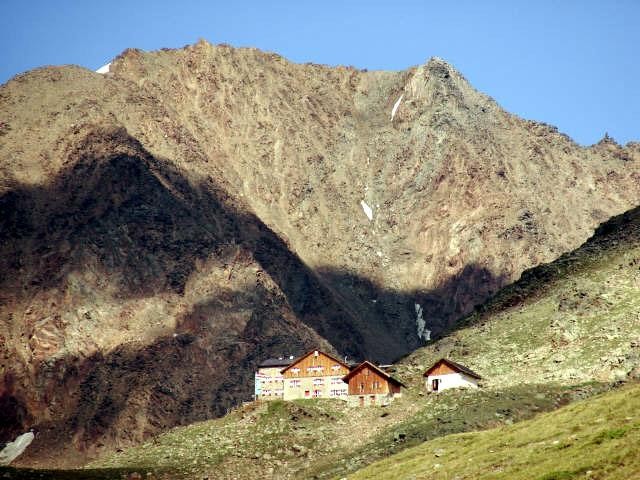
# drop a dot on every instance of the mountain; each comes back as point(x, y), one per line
point(166, 225)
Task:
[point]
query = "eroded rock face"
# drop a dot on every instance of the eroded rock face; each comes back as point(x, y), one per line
point(166, 225)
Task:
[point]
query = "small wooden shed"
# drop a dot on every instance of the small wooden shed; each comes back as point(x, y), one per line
point(369, 385)
point(445, 374)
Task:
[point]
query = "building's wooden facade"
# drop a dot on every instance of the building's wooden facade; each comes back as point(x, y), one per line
point(369, 385)
point(315, 375)
point(446, 374)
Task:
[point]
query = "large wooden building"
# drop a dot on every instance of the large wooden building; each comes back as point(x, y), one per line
point(445, 374)
point(315, 375)
point(369, 386)
point(269, 383)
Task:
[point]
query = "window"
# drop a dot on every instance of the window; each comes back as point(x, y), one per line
point(317, 393)
point(318, 381)
point(335, 368)
point(366, 372)
point(295, 371)
point(361, 386)
point(376, 385)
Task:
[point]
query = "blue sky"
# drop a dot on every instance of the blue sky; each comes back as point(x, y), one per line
point(574, 64)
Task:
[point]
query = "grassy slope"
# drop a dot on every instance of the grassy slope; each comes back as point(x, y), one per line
point(596, 439)
point(324, 438)
point(452, 412)
point(562, 333)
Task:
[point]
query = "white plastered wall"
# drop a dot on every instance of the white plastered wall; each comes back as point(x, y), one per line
point(451, 380)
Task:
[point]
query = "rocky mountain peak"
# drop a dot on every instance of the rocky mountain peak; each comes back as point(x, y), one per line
point(441, 69)
point(439, 89)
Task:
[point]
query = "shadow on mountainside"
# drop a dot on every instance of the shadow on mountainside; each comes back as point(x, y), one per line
point(147, 227)
point(398, 310)
point(124, 396)
point(78, 474)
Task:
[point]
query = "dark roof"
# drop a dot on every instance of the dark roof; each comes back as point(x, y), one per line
point(455, 366)
point(275, 362)
point(380, 372)
point(293, 362)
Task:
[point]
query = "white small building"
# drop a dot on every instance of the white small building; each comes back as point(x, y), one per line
point(446, 374)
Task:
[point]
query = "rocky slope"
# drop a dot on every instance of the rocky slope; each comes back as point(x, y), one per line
point(165, 225)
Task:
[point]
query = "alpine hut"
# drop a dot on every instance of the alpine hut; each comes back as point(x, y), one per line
point(445, 374)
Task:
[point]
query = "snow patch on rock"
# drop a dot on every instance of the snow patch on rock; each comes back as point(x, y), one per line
point(13, 450)
point(104, 69)
point(367, 210)
point(421, 324)
point(395, 106)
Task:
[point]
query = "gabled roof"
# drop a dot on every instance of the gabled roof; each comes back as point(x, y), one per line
point(311, 353)
point(380, 372)
point(275, 362)
point(454, 366)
